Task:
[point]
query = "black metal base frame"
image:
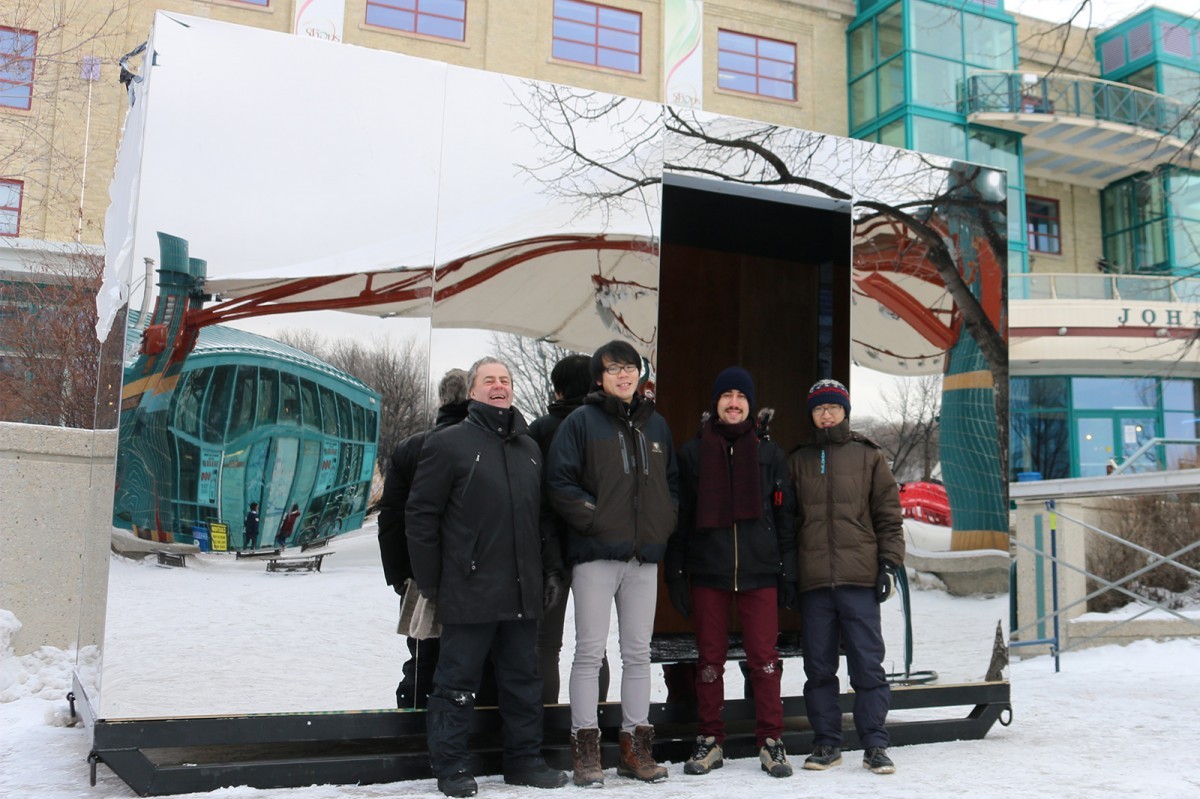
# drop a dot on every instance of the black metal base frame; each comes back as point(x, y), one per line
point(158, 757)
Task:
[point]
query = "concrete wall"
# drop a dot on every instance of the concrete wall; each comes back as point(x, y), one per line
point(56, 489)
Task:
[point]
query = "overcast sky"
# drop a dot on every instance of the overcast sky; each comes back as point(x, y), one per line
point(1101, 14)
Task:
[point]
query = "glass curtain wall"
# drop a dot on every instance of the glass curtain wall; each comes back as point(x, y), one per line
point(1084, 426)
point(1152, 224)
point(907, 64)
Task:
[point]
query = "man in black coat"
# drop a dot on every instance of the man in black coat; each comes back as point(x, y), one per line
point(417, 676)
point(477, 551)
point(736, 543)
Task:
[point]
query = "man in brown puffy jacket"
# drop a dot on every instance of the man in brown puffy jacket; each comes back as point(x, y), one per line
point(851, 542)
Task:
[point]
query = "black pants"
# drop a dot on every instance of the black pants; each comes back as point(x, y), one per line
point(460, 666)
point(849, 616)
point(416, 681)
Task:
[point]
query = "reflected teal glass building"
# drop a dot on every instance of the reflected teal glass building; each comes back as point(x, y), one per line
point(239, 418)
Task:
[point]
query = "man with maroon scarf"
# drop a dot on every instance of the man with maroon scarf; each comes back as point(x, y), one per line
point(735, 540)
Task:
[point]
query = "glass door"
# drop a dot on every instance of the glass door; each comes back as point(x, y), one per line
point(1093, 444)
point(1135, 431)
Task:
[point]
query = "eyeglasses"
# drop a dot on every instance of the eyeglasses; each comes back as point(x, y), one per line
point(827, 410)
point(617, 368)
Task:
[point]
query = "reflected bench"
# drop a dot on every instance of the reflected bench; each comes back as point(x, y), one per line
point(307, 563)
point(258, 553)
point(172, 559)
point(314, 544)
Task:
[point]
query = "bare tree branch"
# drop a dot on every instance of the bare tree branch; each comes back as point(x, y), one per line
point(531, 361)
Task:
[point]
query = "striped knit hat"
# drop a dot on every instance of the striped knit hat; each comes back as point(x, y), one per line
point(828, 392)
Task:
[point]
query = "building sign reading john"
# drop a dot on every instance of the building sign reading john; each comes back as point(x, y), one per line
point(1159, 317)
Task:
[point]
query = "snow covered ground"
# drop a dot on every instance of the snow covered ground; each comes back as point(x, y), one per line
point(1117, 722)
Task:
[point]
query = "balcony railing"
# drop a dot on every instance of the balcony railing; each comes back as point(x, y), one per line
point(1149, 288)
point(1091, 98)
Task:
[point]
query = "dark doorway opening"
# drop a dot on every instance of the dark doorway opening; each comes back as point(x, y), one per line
point(761, 283)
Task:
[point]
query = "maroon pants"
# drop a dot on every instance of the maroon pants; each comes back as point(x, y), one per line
point(760, 629)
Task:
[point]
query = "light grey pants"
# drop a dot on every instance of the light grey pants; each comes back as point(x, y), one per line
point(595, 586)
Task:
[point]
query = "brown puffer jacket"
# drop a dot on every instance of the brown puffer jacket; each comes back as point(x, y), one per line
point(848, 513)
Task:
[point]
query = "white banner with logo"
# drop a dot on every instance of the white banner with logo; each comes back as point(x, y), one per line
point(320, 19)
point(683, 57)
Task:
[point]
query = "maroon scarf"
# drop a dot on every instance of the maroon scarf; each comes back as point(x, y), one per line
point(724, 497)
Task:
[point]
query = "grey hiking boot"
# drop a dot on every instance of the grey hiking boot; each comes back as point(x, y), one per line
point(707, 756)
point(876, 759)
point(773, 758)
point(823, 757)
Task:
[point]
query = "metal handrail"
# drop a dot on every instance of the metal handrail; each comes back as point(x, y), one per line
point(1152, 442)
point(1107, 286)
point(1002, 91)
point(1055, 640)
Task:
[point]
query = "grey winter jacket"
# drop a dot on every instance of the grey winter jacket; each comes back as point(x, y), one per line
point(848, 510)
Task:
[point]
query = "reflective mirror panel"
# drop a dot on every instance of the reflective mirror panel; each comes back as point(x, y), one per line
point(515, 213)
point(279, 342)
point(929, 347)
point(550, 231)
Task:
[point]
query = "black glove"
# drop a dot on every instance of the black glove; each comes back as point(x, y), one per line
point(885, 581)
point(429, 593)
point(399, 589)
point(681, 597)
point(552, 590)
point(788, 595)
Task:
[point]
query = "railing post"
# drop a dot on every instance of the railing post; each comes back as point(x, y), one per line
point(1054, 580)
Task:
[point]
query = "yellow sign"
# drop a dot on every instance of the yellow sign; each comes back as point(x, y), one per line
point(219, 532)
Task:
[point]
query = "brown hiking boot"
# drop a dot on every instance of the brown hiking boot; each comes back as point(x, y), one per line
point(637, 757)
point(585, 758)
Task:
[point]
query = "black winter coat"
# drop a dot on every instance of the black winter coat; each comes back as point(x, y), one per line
point(393, 546)
point(612, 477)
point(543, 428)
point(472, 519)
point(754, 553)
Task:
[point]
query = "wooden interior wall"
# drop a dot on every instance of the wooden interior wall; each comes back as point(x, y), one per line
point(721, 309)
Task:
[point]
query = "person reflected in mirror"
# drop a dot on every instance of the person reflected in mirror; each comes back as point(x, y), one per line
point(250, 528)
point(571, 378)
point(612, 477)
point(474, 539)
point(416, 679)
point(850, 545)
point(735, 543)
point(286, 526)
